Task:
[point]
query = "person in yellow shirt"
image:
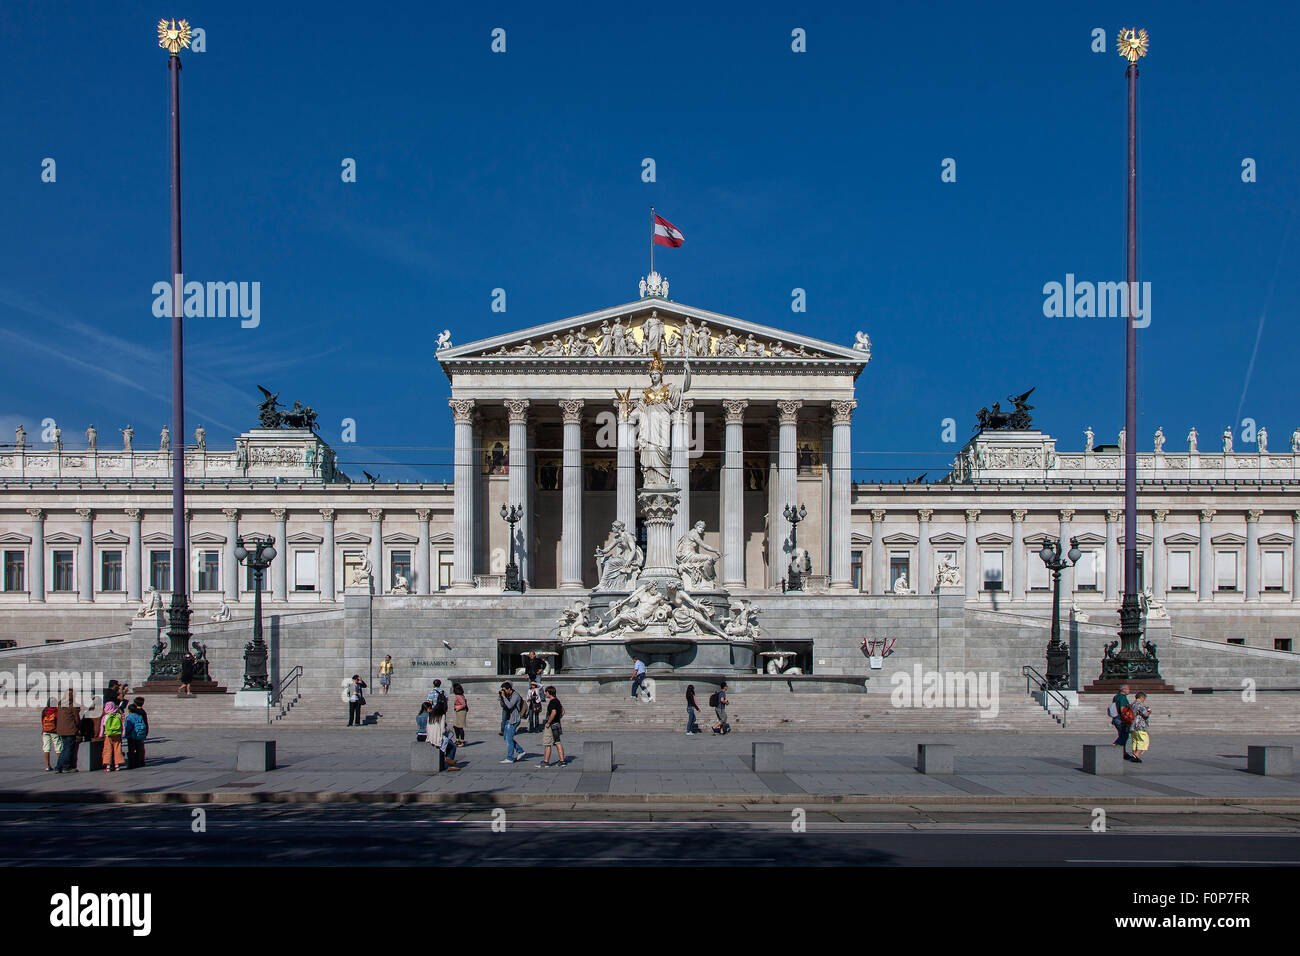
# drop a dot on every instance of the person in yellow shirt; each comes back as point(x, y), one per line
point(386, 673)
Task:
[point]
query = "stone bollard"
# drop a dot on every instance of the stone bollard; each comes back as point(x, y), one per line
point(935, 758)
point(1103, 759)
point(255, 755)
point(598, 756)
point(424, 757)
point(768, 757)
point(1269, 761)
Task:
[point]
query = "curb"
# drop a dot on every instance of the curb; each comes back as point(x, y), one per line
point(719, 800)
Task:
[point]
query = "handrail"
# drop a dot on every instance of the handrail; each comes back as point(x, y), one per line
point(275, 696)
point(1030, 674)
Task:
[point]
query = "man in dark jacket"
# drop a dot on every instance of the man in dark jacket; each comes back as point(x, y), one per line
point(66, 722)
point(1116, 714)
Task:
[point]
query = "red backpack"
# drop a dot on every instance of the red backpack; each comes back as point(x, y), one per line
point(49, 720)
point(1126, 714)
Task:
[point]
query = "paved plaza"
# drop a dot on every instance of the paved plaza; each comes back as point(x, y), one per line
point(373, 763)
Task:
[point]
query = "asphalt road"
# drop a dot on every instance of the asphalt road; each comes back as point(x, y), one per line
point(76, 836)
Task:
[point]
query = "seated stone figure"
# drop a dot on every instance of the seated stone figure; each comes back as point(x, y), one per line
point(742, 622)
point(401, 586)
point(901, 586)
point(696, 561)
point(620, 562)
point(222, 614)
point(692, 615)
point(643, 607)
point(575, 622)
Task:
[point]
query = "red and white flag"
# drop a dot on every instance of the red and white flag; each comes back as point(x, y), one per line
point(666, 234)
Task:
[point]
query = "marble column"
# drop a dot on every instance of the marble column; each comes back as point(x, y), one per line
point(878, 582)
point(379, 583)
point(973, 570)
point(134, 567)
point(1019, 572)
point(327, 592)
point(571, 536)
point(422, 554)
point(625, 495)
point(462, 575)
point(1114, 573)
point(280, 566)
point(924, 583)
point(86, 557)
point(1159, 574)
point(733, 480)
point(1205, 558)
point(787, 463)
point(681, 463)
point(230, 569)
point(842, 494)
point(517, 486)
point(36, 573)
point(1067, 575)
point(1295, 557)
point(777, 559)
point(1252, 554)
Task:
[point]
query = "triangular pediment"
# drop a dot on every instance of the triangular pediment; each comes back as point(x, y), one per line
point(593, 337)
point(947, 537)
point(1275, 538)
point(1228, 538)
point(1181, 537)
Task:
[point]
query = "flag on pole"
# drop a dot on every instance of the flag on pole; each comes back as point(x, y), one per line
point(666, 234)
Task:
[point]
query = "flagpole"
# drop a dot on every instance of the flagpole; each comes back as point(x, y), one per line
point(652, 238)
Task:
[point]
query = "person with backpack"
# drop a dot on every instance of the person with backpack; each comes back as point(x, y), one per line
point(692, 728)
point(438, 715)
point(112, 730)
point(134, 731)
point(511, 709)
point(551, 730)
point(1139, 738)
point(1116, 714)
point(51, 743)
point(534, 707)
point(718, 701)
point(460, 711)
point(67, 724)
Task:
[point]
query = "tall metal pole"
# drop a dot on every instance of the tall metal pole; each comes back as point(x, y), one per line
point(179, 618)
point(652, 239)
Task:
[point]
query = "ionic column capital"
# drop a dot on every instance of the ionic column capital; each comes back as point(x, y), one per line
point(36, 513)
point(1160, 514)
point(1067, 514)
point(572, 408)
point(789, 410)
point(1112, 515)
point(232, 514)
point(422, 514)
point(327, 513)
point(84, 514)
point(278, 514)
point(1018, 514)
point(843, 411)
point(925, 514)
point(972, 514)
point(376, 514)
point(1207, 514)
point(132, 513)
point(1253, 515)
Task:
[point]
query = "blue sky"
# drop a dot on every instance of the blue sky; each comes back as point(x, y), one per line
point(522, 170)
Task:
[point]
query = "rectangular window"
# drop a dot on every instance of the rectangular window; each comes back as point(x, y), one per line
point(1180, 570)
point(992, 570)
point(160, 570)
point(250, 580)
point(399, 562)
point(1085, 572)
point(1236, 640)
point(110, 571)
point(900, 566)
point(446, 563)
point(15, 562)
point(1273, 571)
point(1282, 644)
point(304, 570)
point(1141, 571)
point(209, 570)
point(1225, 570)
point(64, 579)
point(855, 569)
point(1040, 579)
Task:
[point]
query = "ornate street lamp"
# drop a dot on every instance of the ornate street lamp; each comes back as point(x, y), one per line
point(794, 575)
point(513, 516)
point(256, 674)
point(1058, 654)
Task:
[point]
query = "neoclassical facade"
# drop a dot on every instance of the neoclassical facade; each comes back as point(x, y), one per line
point(541, 422)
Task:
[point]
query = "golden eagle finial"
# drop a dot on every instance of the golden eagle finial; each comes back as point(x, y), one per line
point(173, 35)
point(1132, 44)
